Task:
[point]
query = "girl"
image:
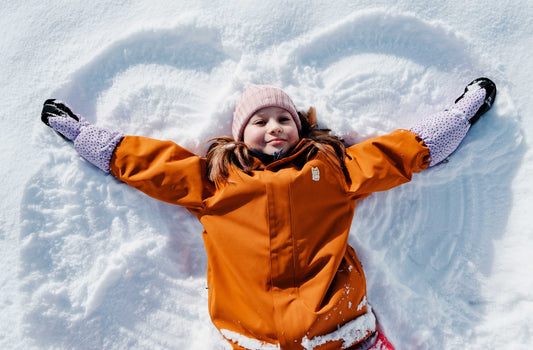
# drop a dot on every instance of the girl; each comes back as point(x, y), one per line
point(276, 201)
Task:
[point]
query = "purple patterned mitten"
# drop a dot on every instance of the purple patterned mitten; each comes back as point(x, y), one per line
point(60, 117)
point(443, 132)
point(68, 127)
point(92, 143)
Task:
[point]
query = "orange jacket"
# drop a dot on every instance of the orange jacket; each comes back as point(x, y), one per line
point(280, 271)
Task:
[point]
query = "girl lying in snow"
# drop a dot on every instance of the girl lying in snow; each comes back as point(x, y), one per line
point(276, 201)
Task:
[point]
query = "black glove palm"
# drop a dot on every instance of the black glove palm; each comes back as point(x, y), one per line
point(54, 108)
point(60, 117)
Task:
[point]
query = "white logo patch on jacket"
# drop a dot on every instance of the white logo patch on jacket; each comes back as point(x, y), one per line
point(315, 173)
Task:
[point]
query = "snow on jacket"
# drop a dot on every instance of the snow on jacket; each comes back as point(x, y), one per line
point(280, 271)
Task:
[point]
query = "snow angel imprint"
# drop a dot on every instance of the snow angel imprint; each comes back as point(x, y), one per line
point(276, 200)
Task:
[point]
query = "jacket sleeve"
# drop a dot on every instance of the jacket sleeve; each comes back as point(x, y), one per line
point(383, 162)
point(162, 170)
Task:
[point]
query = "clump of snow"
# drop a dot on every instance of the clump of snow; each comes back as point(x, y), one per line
point(362, 304)
point(247, 343)
point(349, 333)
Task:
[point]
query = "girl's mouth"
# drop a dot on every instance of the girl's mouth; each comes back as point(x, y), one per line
point(275, 141)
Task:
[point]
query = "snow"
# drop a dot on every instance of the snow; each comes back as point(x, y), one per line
point(89, 263)
point(349, 333)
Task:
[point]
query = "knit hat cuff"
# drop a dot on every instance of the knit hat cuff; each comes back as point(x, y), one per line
point(257, 97)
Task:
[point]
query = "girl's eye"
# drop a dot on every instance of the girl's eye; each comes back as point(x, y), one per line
point(259, 122)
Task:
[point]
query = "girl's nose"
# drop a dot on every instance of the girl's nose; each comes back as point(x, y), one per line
point(275, 128)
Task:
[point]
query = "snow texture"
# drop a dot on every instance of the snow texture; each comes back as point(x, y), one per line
point(89, 263)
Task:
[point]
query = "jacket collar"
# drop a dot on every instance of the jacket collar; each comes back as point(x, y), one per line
point(264, 161)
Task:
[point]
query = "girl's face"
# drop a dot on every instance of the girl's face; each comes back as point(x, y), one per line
point(270, 129)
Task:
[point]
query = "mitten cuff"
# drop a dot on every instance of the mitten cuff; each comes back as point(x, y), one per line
point(97, 145)
point(442, 133)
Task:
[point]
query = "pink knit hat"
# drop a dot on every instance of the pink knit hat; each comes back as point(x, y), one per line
point(256, 97)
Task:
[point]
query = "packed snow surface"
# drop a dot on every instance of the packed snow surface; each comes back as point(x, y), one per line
point(89, 263)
